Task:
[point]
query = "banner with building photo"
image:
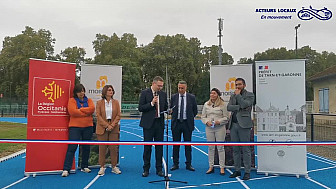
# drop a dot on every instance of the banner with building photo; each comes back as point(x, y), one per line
point(94, 77)
point(223, 77)
point(50, 87)
point(281, 115)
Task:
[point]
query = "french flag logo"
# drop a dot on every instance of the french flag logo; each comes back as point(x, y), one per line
point(263, 67)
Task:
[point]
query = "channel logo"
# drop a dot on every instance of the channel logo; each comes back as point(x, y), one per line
point(101, 82)
point(53, 91)
point(310, 13)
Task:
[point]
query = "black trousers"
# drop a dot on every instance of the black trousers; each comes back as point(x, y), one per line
point(154, 133)
point(78, 133)
point(181, 128)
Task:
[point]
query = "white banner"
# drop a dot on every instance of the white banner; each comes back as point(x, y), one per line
point(94, 77)
point(281, 115)
point(223, 78)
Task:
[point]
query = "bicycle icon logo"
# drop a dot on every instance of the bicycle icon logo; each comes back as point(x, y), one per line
point(308, 14)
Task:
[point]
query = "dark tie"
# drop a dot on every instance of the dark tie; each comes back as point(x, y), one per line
point(156, 107)
point(181, 108)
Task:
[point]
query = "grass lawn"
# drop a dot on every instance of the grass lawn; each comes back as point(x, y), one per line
point(12, 131)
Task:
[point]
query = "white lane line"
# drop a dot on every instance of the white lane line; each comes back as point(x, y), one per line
point(239, 180)
point(322, 169)
point(197, 129)
point(92, 181)
point(131, 133)
point(314, 181)
point(138, 129)
point(323, 158)
point(198, 137)
point(261, 178)
point(209, 184)
point(200, 150)
point(24, 178)
point(321, 161)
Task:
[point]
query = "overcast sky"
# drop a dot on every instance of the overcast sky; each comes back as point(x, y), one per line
point(75, 23)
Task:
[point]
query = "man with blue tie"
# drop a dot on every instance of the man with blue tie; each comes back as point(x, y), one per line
point(184, 109)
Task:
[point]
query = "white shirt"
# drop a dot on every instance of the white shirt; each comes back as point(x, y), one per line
point(184, 106)
point(108, 109)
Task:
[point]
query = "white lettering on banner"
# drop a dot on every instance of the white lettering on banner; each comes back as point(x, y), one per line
point(281, 115)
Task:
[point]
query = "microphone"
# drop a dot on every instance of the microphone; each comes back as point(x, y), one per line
point(155, 94)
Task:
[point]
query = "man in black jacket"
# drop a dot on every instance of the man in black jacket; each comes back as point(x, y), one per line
point(184, 110)
point(152, 102)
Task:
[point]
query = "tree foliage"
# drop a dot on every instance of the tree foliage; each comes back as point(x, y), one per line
point(124, 52)
point(182, 57)
point(14, 59)
point(315, 62)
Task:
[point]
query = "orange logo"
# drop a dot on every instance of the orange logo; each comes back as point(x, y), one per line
point(101, 82)
point(230, 85)
point(53, 92)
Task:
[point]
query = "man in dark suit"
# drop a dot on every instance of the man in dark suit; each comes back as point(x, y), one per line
point(240, 125)
point(152, 102)
point(184, 110)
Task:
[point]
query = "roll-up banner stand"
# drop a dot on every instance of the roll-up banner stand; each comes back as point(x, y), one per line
point(94, 77)
point(50, 87)
point(281, 116)
point(223, 77)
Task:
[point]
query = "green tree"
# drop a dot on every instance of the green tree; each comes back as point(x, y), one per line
point(179, 54)
point(14, 59)
point(315, 62)
point(121, 51)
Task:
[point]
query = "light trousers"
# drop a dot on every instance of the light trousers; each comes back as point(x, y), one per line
point(216, 134)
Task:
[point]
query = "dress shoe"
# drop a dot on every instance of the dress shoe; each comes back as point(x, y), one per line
point(210, 170)
point(246, 176)
point(222, 171)
point(174, 167)
point(190, 168)
point(235, 174)
point(145, 174)
point(160, 173)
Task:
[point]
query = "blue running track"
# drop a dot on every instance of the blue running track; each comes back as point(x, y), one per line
point(321, 171)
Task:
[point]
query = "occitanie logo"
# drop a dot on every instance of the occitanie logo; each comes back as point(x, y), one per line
point(53, 92)
point(101, 82)
point(230, 85)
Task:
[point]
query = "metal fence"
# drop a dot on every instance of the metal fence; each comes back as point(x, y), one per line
point(14, 110)
point(322, 127)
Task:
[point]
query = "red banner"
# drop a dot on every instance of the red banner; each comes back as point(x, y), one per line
point(50, 87)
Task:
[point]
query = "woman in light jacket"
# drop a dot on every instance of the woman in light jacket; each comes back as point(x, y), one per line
point(215, 117)
point(108, 117)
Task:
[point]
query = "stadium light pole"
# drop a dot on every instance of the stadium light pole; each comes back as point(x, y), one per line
point(220, 50)
point(296, 40)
